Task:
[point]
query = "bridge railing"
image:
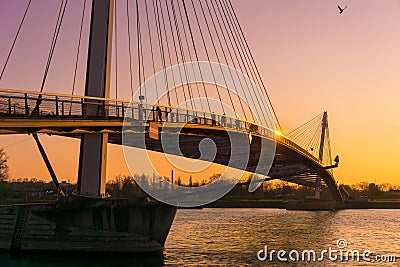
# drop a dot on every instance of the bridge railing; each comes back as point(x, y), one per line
point(20, 103)
point(14, 103)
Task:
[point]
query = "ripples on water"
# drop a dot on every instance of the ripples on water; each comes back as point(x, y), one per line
point(232, 237)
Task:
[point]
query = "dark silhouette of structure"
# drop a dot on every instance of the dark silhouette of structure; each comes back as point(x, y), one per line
point(159, 113)
point(341, 9)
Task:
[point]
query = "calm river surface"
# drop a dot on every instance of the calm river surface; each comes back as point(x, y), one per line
point(232, 237)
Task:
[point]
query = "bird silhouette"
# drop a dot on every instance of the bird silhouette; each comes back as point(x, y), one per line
point(341, 9)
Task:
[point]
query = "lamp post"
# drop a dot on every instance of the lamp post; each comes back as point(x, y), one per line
point(141, 98)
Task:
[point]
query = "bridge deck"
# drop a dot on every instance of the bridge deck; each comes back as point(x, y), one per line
point(24, 112)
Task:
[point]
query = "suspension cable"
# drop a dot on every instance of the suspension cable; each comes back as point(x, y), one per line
point(151, 49)
point(140, 55)
point(138, 47)
point(161, 47)
point(190, 54)
point(218, 16)
point(239, 59)
point(54, 41)
point(79, 46)
point(168, 49)
point(248, 69)
point(195, 52)
point(176, 54)
point(236, 37)
point(248, 49)
point(189, 87)
point(308, 136)
point(129, 46)
point(116, 48)
point(77, 56)
point(216, 53)
point(15, 39)
point(304, 124)
point(208, 57)
point(225, 56)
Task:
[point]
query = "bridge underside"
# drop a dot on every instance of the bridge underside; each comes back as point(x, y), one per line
point(288, 164)
point(67, 115)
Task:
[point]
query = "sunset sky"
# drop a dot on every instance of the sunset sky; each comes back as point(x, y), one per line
point(311, 59)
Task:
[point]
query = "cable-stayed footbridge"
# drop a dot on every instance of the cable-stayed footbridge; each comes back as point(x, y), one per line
point(195, 77)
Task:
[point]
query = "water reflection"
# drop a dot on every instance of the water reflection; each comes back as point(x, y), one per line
point(43, 260)
point(232, 237)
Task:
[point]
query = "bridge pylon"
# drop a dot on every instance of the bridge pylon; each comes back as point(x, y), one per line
point(93, 148)
point(317, 193)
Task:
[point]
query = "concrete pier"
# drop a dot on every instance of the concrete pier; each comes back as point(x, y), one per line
point(115, 226)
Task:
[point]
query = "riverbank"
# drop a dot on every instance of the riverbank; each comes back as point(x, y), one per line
point(244, 203)
point(281, 204)
point(374, 204)
point(273, 204)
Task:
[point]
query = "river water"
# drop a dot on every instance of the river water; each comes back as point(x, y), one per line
point(233, 237)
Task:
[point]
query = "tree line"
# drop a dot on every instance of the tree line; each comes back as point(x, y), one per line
point(127, 187)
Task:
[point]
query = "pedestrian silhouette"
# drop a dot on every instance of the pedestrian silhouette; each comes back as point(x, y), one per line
point(213, 119)
point(159, 113)
point(223, 120)
point(238, 124)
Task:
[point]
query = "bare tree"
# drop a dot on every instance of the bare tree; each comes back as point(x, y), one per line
point(3, 165)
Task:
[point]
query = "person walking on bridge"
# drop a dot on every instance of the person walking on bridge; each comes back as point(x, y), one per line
point(159, 113)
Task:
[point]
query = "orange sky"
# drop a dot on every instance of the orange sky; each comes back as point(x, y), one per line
point(311, 58)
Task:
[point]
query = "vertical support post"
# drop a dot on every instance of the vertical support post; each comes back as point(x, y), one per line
point(104, 110)
point(317, 193)
point(93, 149)
point(26, 105)
point(83, 108)
point(57, 112)
point(9, 106)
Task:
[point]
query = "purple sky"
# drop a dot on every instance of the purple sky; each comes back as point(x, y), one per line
point(311, 58)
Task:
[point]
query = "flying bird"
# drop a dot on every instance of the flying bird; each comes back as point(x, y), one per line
point(341, 9)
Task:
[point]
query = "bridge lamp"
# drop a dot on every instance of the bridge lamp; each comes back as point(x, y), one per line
point(278, 133)
point(336, 160)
